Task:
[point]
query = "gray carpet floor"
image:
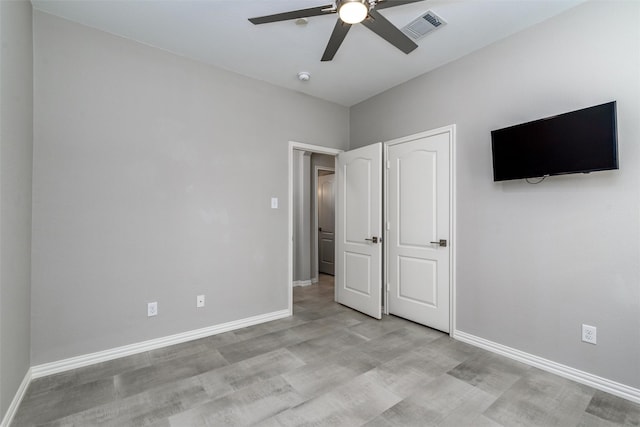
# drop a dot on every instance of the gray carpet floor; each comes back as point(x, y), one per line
point(325, 366)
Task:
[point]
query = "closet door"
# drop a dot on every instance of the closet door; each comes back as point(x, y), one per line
point(418, 240)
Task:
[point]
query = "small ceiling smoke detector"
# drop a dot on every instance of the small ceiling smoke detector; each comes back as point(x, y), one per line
point(301, 22)
point(304, 76)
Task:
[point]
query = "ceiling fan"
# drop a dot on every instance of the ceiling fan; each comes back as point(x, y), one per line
point(351, 12)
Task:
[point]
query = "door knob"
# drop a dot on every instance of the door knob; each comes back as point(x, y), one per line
point(441, 242)
point(374, 239)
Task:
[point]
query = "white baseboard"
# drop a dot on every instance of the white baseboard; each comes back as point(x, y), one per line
point(615, 388)
point(302, 283)
point(45, 369)
point(15, 403)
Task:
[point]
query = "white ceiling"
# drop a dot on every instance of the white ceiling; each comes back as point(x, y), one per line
point(217, 32)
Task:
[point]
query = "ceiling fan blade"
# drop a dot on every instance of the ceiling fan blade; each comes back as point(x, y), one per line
point(383, 4)
point(385, 29)
point(294, 14)
point(337, 37)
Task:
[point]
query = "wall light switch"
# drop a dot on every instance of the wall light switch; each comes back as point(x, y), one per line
point(274, 203)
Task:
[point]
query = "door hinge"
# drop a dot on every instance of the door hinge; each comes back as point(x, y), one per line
point(388, 226)
point(388, 164)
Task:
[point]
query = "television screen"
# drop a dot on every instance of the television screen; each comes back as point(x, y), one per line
point(581, 141)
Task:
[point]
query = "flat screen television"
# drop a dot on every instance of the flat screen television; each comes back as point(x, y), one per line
point(581, 141)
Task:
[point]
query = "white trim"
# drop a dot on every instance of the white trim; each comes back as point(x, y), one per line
point(451, 130)
point(314, 149)
point(302, 283)
point(453, 237)
point(385, 232)
point(615, 388)
point(128, 350)
point(314, 237)
point(17, 399)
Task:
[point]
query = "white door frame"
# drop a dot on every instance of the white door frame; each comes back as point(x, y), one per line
point(313, 149)
point(314, 238)
point(452, 218)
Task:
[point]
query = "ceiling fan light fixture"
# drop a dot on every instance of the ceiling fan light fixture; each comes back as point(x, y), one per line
point(353, 11)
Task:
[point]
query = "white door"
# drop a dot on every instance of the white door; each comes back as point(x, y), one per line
point(418, 240)
point(326, 224)
point(359, 211)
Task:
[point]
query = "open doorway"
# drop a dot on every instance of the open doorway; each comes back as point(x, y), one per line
point(313, 216)
point(311, 220)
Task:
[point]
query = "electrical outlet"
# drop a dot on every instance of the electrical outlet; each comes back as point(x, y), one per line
point(200, 301)
point(589, 334)
point(152, 309)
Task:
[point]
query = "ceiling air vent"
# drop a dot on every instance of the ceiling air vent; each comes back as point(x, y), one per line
point(423, 25)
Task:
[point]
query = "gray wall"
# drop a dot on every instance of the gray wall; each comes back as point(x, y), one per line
point(301, 216)
point(534, 262)
point(16, 145)
point(153, 176)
